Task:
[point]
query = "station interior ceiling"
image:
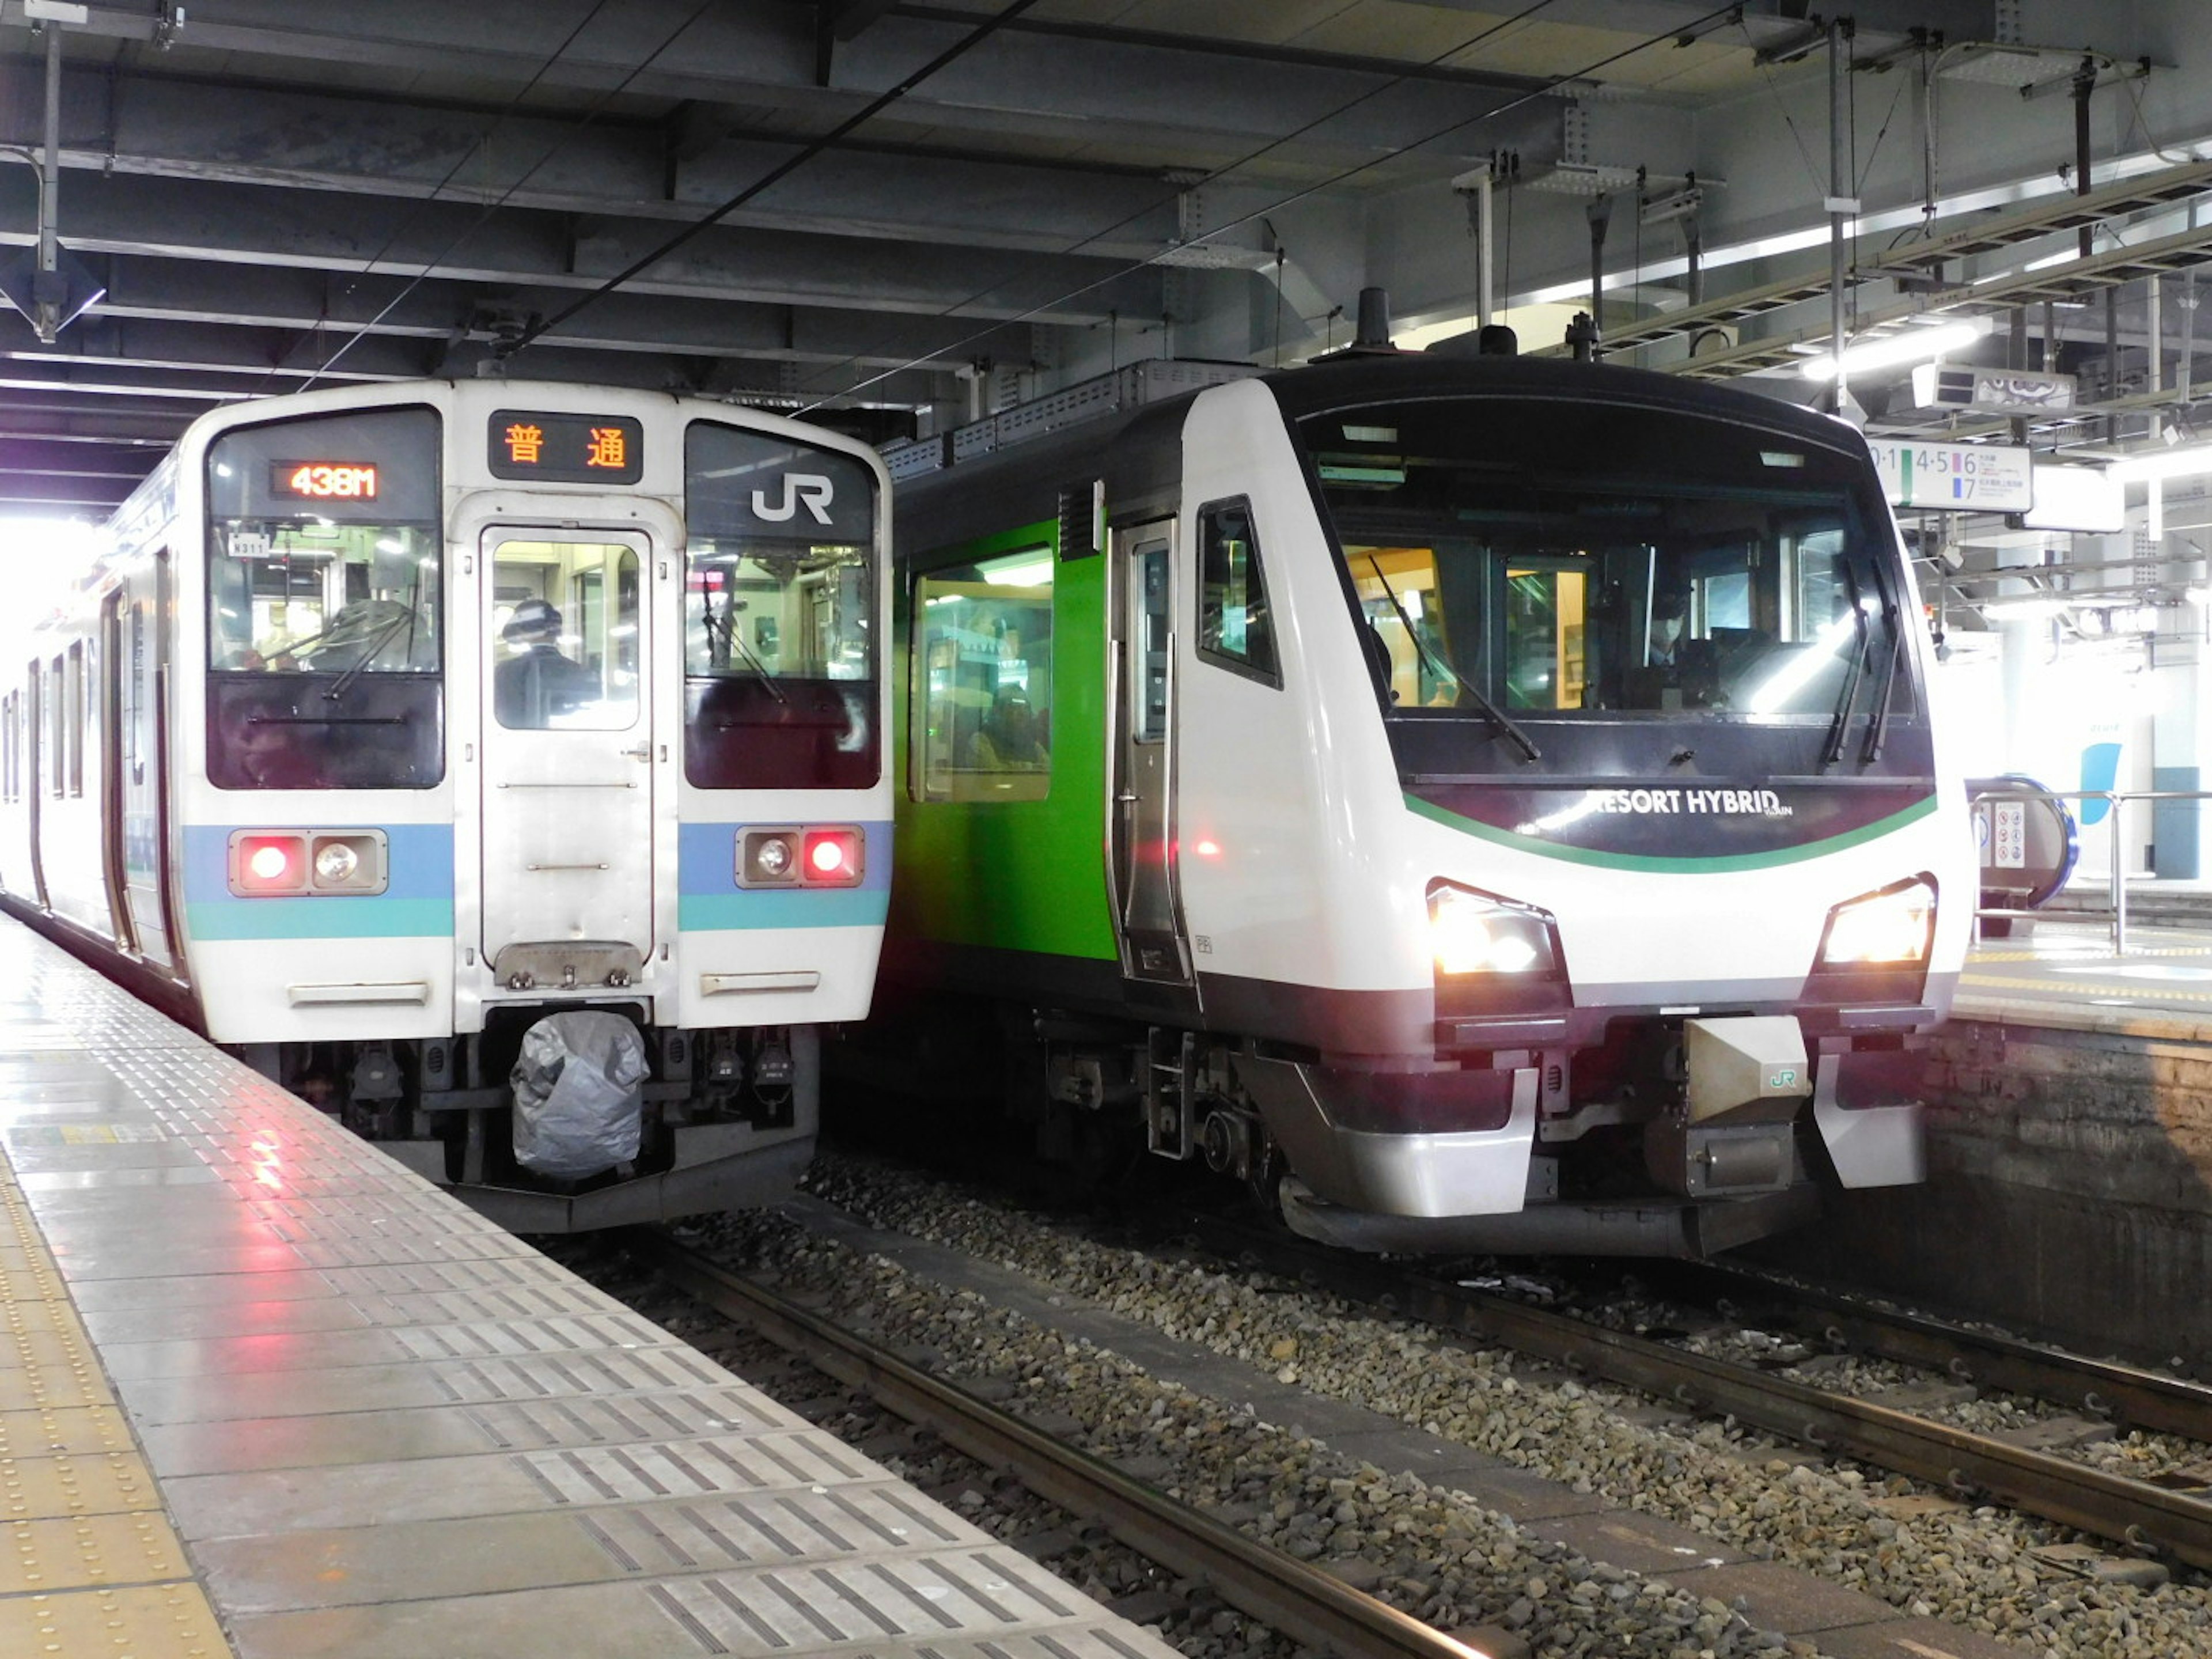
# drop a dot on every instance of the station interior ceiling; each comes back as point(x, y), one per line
point(894, 215)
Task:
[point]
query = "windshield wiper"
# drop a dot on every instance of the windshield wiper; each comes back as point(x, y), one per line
point(1497, 716)
point(1833, 750)
point(375, 642)
point(732, 636)
point(1878, 724)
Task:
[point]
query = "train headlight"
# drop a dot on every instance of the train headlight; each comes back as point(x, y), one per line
point(1472, 932)
point(336, 863)
point(1895, 928)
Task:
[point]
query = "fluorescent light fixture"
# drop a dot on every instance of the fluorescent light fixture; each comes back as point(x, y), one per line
point(2182, 461)
point(1017, 573)
point(2037, 607)
point(1912, 345)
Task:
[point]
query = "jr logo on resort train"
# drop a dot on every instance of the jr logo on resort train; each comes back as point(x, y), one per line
point(810, 490)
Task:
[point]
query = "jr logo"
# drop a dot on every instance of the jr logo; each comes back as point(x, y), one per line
point(811, 489)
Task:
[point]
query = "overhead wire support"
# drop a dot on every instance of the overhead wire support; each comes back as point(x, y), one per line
point(1719, 17)
point(783, 169)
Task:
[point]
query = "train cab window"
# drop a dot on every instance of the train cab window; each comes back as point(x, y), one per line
point(1553, 560)
point(981, 707)
point(780, 655)
point(564, 639)
point(1235, 628)
point(324, 562)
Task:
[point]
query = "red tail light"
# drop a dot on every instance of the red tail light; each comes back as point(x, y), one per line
point(268, 864)
point(832, 858)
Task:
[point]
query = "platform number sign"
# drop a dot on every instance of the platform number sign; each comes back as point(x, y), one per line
point(556, 447)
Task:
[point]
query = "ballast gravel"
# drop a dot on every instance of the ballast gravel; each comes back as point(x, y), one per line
point(1435, 1553)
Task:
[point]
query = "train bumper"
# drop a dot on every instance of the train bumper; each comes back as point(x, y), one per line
point(1446, 1171)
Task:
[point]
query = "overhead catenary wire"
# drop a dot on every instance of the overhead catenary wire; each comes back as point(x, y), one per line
point(522, 178)
point(806, 152)
point(1678, 32)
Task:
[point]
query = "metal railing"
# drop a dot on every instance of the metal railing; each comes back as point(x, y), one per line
point(2119, 799)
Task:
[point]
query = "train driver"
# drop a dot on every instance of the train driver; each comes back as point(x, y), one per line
point(535, 683)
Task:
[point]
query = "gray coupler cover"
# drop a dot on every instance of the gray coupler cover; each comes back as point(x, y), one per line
point(577, 1104)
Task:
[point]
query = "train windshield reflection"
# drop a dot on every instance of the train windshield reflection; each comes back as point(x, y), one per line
point(1582, 558)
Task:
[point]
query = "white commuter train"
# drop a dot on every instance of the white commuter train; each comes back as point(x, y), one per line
point(1487, 803)
point(389, 722)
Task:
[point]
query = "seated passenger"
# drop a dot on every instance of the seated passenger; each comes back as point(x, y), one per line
point(537, 682)
point(1007, 739)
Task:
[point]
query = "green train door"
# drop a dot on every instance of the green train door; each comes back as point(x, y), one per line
point(1147, 905)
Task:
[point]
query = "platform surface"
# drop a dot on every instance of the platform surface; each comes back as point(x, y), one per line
point(263, 1392)
point(2066, 973)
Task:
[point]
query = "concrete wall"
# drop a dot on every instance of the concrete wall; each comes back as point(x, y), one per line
point(2070, 1189)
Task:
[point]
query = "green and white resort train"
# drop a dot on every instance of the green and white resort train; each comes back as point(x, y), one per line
point(1484, 804)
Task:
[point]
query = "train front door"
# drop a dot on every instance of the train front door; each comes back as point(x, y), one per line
point(567, 749)
point(1148, 906)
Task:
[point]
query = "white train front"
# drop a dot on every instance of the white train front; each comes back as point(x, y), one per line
point(390, 723)
point(1490, 804)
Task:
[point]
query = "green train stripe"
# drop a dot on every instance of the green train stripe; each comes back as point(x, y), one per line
point(320, 918)
point(1718, 864)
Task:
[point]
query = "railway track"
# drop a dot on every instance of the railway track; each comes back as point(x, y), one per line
point(1301, 1602)
point(2127, 1395)
point(2137, 1515)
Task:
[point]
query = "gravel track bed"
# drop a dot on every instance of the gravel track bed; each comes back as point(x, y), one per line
point(2136, 1454)
point(1445, 1558)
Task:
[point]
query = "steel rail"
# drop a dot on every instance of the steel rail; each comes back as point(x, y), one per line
point(2103, 1387)
point(2132, 1513)
point(1300, 1601)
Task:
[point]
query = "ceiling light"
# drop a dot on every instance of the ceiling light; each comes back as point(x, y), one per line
point(1912, 345)
point(2182, 461)
point(2033, 608)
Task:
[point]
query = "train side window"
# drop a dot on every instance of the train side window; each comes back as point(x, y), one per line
point(57, 730)
point(981, 721)
point(78, 693)
point(1235, 629)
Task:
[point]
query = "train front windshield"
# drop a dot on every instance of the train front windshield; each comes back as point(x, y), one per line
point(1570, 562)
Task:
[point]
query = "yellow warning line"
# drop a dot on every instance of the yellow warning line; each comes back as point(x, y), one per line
point(90, 1563)
point(2075, 986)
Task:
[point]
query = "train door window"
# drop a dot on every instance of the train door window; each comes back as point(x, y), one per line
point(982, 706)
point(564, 636)
point(1235, 628)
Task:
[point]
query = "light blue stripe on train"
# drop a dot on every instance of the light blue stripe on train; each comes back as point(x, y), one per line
point(709, 898)
point(418, 903)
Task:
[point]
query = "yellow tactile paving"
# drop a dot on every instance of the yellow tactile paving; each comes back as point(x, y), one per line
point(72, 1551)
point(103, 1484)
point(67, 1431)
point(149, 1621)
point(2151, 993)
point(89, 1563)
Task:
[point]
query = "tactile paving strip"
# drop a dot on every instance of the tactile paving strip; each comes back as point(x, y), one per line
point(386, 1429)
point(89, 1565)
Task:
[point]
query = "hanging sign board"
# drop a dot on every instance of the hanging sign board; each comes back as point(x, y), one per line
point(1959, 477)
